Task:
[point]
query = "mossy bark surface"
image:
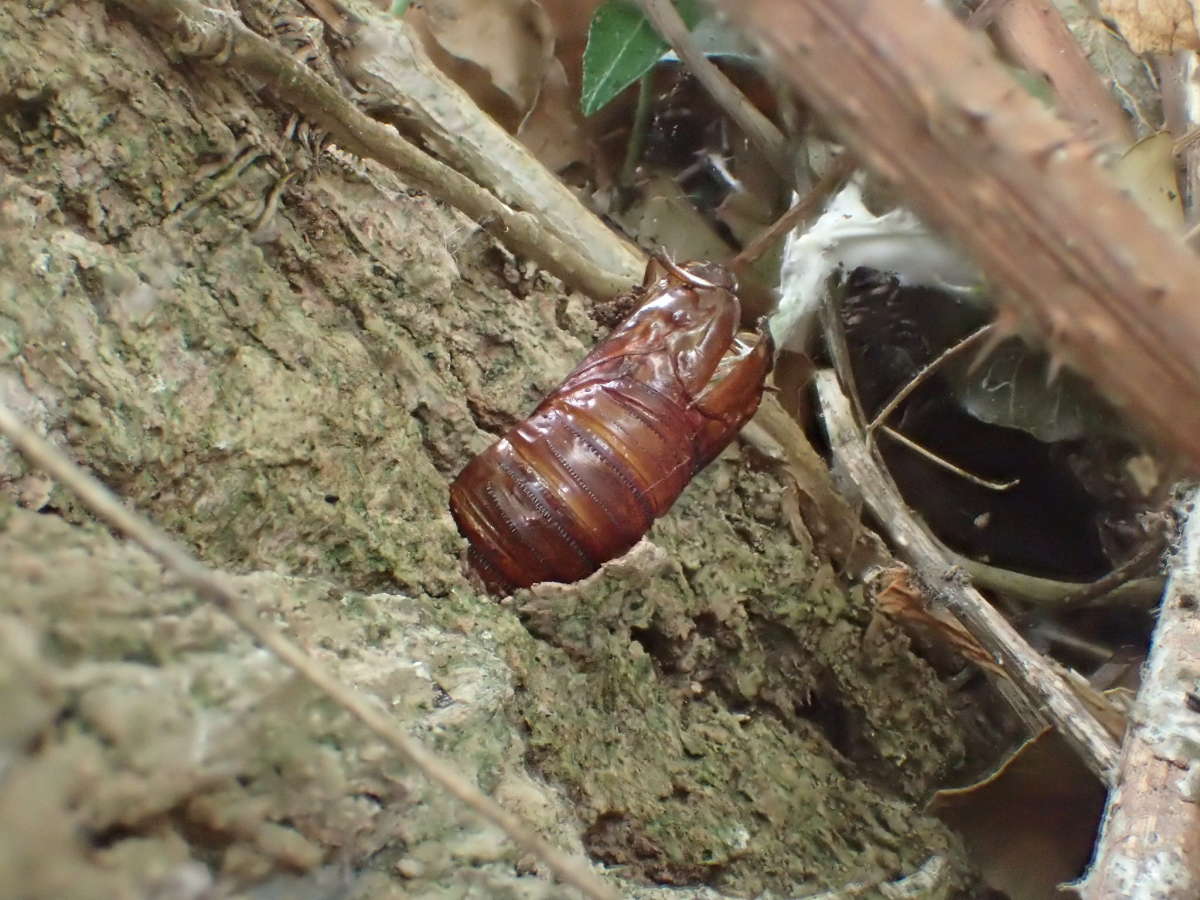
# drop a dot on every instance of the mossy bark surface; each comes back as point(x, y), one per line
point(286, 380)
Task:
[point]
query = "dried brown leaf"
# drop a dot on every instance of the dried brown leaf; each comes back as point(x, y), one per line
point(1147, 170)
point(1155, 26)
point(902, 599)
point(552, 130)
point(1030, 824)
point(512, 41)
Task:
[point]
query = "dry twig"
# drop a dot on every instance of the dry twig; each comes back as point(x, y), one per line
point(214, 35)
point(1051, 698)
point(928, 370)
point(798, 212)
point(216, 588)
point(924, 102)
point(827, 515)
point(1117, 588)
point(1149, 845)
point(1181, 106)
point(943, 463)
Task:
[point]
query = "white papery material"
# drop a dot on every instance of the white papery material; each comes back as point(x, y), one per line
point(848, 235)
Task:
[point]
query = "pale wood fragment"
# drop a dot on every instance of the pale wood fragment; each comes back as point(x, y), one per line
point(1149, 844)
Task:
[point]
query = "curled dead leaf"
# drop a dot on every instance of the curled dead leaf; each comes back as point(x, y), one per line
point(503, 53)
point(1029, 825)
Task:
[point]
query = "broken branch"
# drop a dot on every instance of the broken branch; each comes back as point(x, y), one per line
point(1048, 694)
point(212, 34)
point(924, 102)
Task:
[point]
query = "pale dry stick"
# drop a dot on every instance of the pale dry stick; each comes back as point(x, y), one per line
point(216, 588)
point(757, 127)
point(923, 101)
point(828, 517)
point(213, 34)
point(1179, 74)
point(855, 549)
point(1149, 845)
point(1048, 693)
point(387, 61)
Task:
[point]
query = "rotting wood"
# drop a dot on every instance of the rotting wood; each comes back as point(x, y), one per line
point(216, 588)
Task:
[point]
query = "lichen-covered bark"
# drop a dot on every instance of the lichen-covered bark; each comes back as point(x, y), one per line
point(288, 388)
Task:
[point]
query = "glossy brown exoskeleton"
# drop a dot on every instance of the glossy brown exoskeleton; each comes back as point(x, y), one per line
point(611, 448)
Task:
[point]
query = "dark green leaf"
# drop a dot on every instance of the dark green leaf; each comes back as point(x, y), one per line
point(622, 47)
point(1012, 388)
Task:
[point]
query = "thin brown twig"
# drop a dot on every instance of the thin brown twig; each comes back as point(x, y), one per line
point(757, 127)
point(1181, 108)
point(212, 34)
point(942, 462)
point(799, 211)
point(1046, 694)
point(217, 589)
point(927, 370)
point(1143, 557)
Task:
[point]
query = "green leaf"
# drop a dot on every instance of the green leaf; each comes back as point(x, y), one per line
point(622, 47)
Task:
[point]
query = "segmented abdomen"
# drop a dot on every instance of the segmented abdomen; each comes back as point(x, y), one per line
point(574, 485)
